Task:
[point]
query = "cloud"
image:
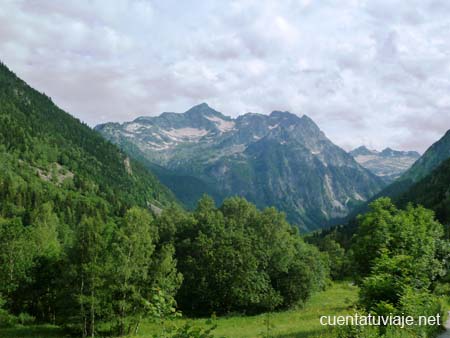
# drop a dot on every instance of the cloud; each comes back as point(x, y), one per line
point(368, 72)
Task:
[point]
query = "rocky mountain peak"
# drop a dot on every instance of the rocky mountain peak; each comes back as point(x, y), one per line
point(277, 114)
point(204, 110)
point(388, 152)
point(280, 159)
point(362, 150)
point(388, 163)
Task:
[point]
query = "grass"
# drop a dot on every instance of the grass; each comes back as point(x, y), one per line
point(302, 323)
point(33, 331)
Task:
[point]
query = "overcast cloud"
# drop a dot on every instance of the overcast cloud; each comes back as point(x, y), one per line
point(368, 72)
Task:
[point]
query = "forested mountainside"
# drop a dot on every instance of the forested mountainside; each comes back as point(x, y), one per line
point(41, 138)
point(389, 164)
point(64, 192)
point(279, 160)
point(432, 191)
point(431, 159)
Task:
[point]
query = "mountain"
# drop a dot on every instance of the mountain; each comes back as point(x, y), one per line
point(436, 154)
point(280, 160)
point(432, 191)
point(431, 159)
point(388, 164)
point(427, 182)
point(49, 156)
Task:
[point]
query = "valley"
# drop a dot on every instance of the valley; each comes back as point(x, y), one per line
point(200, 225)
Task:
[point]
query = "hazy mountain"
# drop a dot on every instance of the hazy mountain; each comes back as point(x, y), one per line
point(433, 157)
point(277, 160)
point(389, 164)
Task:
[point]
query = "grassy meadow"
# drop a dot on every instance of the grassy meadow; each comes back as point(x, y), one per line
point(302, 323)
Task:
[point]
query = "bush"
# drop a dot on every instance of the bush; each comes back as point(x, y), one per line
point(238, 259)
point(189, 331)
point(6, 319)
point(421, 303)
point(376, 332)
point(357, 332)
point(25, 319)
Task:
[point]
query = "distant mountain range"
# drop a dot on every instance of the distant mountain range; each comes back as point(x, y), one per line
point(280, 160)
point(389, 164)
point(433, 157)
point(420, 183)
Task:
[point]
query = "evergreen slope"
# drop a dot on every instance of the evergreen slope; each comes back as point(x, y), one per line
point(43, 136)
point(75, 231)
point(431, 159)
point(433, 192)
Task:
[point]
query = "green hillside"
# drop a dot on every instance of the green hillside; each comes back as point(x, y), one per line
point(39, 136)
point(433, 192)
point(437, 153)
point(66, 194)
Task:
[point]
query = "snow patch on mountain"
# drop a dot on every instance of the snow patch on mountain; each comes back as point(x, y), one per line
point(133, 127)
point(185, 134)
point(222, 125)
point(155, 146)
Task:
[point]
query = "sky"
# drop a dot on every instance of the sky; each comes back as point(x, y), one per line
point(367, 72)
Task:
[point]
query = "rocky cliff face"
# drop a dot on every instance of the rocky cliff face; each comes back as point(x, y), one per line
point(277, 160)
point(388, 164)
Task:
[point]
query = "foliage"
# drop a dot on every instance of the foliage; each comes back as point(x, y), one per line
point(399, 253)
point(432, 192)
point(410, 236)
point(338, 257)
point(79, 247)
point(236, 258)
point(71, 205)
point(190, 331)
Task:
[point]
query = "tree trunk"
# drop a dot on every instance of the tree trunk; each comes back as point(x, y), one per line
point(92, 315)
point(136, 329)
point(84, 333)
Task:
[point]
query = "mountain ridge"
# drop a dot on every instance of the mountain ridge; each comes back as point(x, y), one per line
point(388, 164)
point(280, 159)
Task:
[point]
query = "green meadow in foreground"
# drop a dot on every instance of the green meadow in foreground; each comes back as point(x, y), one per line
point(304, 322)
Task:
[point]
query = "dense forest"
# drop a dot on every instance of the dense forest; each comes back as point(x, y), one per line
point(92, 242)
